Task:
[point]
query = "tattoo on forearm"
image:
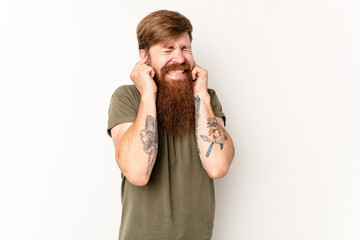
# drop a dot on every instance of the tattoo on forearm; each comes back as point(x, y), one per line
point(197, 109)
point(216, 133)
point(149, 138)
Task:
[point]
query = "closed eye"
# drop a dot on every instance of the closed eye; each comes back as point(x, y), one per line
point(184, 48)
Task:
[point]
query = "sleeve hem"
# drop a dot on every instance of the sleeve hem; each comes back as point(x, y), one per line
point(119, 121)
point(220, 114)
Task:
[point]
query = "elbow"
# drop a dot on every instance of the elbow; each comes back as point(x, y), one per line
point(218, 172)
point(219, 169)
point(134, 176)
point(140, 182)
point(137, 180)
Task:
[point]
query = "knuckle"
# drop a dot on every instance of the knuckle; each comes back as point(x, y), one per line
point(134, 75)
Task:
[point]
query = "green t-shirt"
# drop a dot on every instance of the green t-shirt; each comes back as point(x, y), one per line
point(178, 202)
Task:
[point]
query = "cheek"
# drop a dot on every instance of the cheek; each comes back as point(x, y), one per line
point(162, 62)
point(192, 62)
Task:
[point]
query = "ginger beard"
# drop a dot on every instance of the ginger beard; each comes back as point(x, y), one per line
point(175, 100)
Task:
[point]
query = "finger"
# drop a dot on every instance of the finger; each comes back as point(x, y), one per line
point(142, 61)
point(152, 73)
point(194, 73)
point(149, 70)
point(145, 59)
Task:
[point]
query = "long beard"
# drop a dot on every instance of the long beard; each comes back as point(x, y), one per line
point(175, 101)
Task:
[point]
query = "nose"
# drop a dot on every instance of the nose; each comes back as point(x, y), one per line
point(178, 56)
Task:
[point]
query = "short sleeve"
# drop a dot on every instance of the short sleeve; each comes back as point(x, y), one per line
point(124, 105)
point(216, 105)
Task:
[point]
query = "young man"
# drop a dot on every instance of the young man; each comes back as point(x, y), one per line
point(169, 137)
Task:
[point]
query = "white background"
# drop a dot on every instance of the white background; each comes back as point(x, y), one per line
point(287, 75)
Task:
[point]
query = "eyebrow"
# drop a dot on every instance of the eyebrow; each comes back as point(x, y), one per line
point(172, 47)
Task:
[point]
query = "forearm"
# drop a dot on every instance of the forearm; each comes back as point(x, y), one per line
point(138, 147)
point(215, 145)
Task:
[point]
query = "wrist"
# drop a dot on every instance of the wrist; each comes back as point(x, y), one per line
point(148, 97)
point(203, 95)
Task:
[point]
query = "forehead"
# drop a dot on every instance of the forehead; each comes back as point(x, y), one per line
point(181, 40)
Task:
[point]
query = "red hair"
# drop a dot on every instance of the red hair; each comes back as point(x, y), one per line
point(161, 26)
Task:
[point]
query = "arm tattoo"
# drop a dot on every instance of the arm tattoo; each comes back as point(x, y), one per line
point(149, 138)
point(216, 132)
point(197, 109)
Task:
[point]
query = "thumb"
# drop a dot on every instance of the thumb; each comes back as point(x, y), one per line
point(194, 73)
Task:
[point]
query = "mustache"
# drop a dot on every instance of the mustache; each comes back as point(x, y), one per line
point(175, 67)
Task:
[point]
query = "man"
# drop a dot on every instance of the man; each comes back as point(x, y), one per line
point(169, 137)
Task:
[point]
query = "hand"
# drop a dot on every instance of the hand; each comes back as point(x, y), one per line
point(142, 75)
point(200, 79)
